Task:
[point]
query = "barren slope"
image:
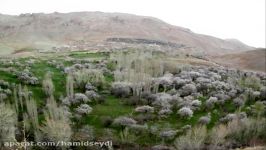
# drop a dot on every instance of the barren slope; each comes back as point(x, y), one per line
point(89, 30)
point(249, 60)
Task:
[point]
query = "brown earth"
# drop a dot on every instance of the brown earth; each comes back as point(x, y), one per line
point(254, 60)
point(93, 30)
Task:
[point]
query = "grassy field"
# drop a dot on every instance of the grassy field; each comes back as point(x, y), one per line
point(113, 107)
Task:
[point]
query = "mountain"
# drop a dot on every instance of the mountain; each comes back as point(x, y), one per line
point(254, 60)
point(98, 30)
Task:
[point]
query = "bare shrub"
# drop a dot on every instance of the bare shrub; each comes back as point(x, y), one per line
point(70, 86)
point(57, 124)
point(251, 82)
point(85, 133)
point(193, 139)
point(48, 86)
point(83, 76)
point(126, 137)
point(8, 120)
point(217, 135)
point(32, 113)
point(121, 89)
point(246, 131)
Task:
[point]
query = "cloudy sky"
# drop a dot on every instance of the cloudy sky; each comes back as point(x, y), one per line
point(239, 19)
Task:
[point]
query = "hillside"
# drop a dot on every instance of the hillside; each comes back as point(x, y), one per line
point(97, 30)
point(249, 60)
point(163, 102)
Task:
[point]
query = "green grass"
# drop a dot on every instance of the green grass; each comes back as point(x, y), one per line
point(8, 77)
point(88, 55)
point(113, 107)
point(41, 68)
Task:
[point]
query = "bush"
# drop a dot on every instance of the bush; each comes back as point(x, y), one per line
point(101, 99)
point(85, 133)
point(133, 101)
point(93, 76)
point(162, 100)
point(80, 98)
point(106, 121)
point(121, 89)
point(143, 118)
point(238, 102)
point(228, 118)
point(251, 82)
point(210, 103)
point(186, 127)
point(90, 87)
point(124, 121)
point(165, 112)
point(196, 103)
point(92, 95)
point(192, 140)
point(205, 120)
point(144, 109)
point(247, 131)
point(4, 84)
point(168, 134)
point(165, 81)
point(188, 89)
point(7, 91)
point(162, 147)
point(217, 136)
point(179, 82)
point(3, 96)
point(138, 129)
point(66, 101)
point(185, 112)
point(258, 108)
point(27, 78)
point(84, 109)
point(263, 93)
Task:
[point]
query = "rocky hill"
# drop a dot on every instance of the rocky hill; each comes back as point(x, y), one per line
point(98, 30)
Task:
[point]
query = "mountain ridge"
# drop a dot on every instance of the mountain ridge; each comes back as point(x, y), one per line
point(61, 30)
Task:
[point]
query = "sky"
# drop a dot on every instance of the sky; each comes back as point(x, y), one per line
point(227, 19)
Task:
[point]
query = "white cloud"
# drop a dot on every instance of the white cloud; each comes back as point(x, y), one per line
point(240, 19)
